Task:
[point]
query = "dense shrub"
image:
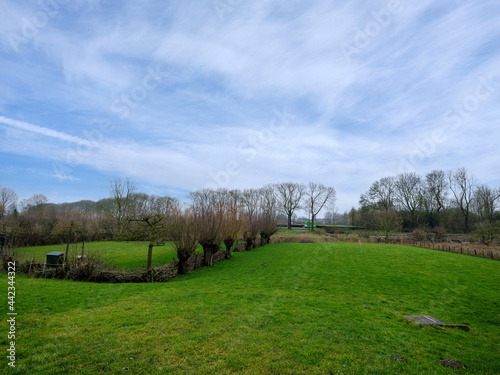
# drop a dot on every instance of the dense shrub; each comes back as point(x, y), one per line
point(485, 232)
point(420, 234)
point(440, 234)
point(9, 255)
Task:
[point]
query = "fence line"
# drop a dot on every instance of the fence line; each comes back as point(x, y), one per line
point(461, 248)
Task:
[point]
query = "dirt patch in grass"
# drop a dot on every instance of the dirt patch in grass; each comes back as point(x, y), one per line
point(451, 364)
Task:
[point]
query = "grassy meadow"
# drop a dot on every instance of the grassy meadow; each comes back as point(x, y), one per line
point(123, 255)
point(314, 308)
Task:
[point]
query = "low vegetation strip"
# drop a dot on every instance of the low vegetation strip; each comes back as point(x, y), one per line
point(483, 251)
point(97, 272)
point(97, 265)
point(294, 308)
point(118, 254)
point(478, 250)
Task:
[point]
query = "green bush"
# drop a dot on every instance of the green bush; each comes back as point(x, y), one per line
point(485, 232)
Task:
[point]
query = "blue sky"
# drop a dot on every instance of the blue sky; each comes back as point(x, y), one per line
point(183, 95)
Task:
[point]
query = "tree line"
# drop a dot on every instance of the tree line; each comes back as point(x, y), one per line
point(454, 201)
point(214, 219)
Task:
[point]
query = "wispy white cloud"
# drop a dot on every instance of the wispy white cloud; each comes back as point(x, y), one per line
point(43, 131)
point(355, 119)
point(64, 177)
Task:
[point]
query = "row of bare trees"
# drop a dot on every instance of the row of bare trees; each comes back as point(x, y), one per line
point(34, 221)
point(312, 198)
point(433, 200)
point(216, 217)
point(8, 201)
point(219, 216)
point(214, 220)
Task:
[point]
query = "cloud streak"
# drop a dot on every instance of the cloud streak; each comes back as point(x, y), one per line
point(355, 120)
point(46, 132)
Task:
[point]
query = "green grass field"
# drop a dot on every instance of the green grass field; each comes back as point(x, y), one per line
point(319, 308)
point(125, 255)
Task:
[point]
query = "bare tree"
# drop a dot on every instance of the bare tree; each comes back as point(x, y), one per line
point(380, 196)
point(267, 227)
point(268, 214)
point(34, 205)
point(207, 210)
point(151, 216)
point(166, 204)
point(462, 185)
point(486, 232)
point(250, 201)
point(233, 219)
point(388, 222)
point(330, 217)
point(122, 195)
point(486, 202)
point(408, 192)
point(69, 232)
point(137, 202)
point(8, 200)
point(183, 232)
point(142, 203)
point(290, 197)
point(434, 196)
point(317, 196)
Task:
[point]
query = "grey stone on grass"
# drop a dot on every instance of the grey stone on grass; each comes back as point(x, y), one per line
point(429, 320)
